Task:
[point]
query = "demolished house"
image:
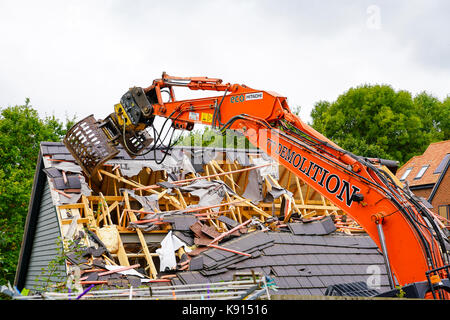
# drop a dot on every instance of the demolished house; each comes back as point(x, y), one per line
point(193, 217)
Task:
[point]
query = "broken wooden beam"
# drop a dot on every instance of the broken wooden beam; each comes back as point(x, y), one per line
point(229, 250)
point(205, 177)
point(223, 235)
point(119, 270)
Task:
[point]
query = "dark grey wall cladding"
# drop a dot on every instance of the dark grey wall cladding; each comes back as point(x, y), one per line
point(44, 247)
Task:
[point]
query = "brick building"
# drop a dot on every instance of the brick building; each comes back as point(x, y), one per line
point(428, 176)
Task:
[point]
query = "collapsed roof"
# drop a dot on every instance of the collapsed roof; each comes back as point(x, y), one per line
point(201, 215)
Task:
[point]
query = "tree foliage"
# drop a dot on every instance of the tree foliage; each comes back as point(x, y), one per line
point(207, 137)
point(21, 131)
point(377, 121)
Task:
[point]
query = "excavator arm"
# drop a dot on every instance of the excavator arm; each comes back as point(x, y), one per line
point(405, 231)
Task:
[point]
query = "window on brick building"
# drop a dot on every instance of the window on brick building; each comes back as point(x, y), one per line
point(421, 172)
point(443, 163)
point(406, 173)
point(444, 211)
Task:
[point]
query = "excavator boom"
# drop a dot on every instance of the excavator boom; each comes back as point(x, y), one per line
point(403, 229)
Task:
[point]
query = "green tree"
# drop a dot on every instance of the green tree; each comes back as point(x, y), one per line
point(21, 131)
point(207, 137)
point(445, 119)
point(377, 121)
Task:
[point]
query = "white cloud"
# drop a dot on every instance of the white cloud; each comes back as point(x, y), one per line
point(79, 57)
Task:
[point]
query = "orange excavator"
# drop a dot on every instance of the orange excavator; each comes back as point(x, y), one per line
point(414, 245)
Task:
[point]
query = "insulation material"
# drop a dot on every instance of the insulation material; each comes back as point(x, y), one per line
point(148, 203)
point(67, 167)
point(238, 156)
point(254, 189)
point(109, 235)
point(170, 164)
point(132, 168)
point(129, 272)
point(209, 155)
point(209, 192)
point(267, 170)
point(70, 232)
point(166, 253)
point(196, 157)
point(182, 161)
point(275, 192)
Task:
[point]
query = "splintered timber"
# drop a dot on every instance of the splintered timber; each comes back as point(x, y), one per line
point(334, 184)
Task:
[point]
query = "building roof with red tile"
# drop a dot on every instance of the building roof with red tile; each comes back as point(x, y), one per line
point(426, 168)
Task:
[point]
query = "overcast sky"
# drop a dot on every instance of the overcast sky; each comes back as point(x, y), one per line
point(79, 57)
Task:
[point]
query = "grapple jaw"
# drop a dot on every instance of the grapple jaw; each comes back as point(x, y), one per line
point(92, 142)
point(89, 145)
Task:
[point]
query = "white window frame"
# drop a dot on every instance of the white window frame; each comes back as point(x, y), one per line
point(406, 174)
point(421, 172)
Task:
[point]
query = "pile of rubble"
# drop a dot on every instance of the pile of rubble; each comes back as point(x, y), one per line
point(141, 222)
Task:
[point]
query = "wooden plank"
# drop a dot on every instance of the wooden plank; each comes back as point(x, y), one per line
point(79, 221)
point(148, 257)
point(88, 213)
point(71, 206)
point(119, 270)
point(121, 253)
point(208, 176)
point(227, 174)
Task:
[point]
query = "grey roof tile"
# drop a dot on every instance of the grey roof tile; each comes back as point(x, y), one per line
point(279, 271)
point(272, 250)
point(208, 262)
point(214, 254)
point(313, 240)
point(186, 277)
point(328, 280)
point(292, 259)
point(291, 270)
point(293, 282)
point(256, 254)
point(323, 269)
point(321, 227)
point(177, 281)
point(52, 149)
point(289, 249)
point(198, 278)
point(317, 292)
point(358, 269)
point(212, 272)
point(375, 258)
point(52, 172)
point(315, 282)
point(58, 156)
point(305, 271)
point(284, 237)
point(44, 149)
point(324, 258)
point(308, 262)
point(275, 236)
point(304, 292)
point(282, 282)
point(271, 260)
point(304, 282)
point(346, 269)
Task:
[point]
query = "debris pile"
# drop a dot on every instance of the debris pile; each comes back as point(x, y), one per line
point(141, 221)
